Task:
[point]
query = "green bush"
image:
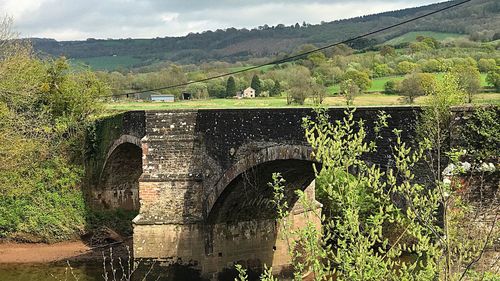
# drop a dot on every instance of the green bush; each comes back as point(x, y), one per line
point(480, 135)
point(44, 109)
point(52, 210)
point(391, 87)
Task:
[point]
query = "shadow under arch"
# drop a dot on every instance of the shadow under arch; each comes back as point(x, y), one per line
point(119, 179)
point(268, 154)
point(249, 196)
point(242, 223)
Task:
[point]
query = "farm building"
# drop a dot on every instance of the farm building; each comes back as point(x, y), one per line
point(163, 98)
point(247, 93)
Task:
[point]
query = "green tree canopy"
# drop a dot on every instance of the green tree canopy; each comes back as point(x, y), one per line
point(276, 89)
point(361, 78)
point(387, 50)
point(299, 84)
point(468, 78)
point(230, 87)
point(349, 89)
point(486, 65)
point(406, 67)
point(256, 84)
point(416, 85)
point(45, 109)
point(392, 87)
point(493, 78)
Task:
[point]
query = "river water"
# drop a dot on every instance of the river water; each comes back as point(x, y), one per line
point(45, 272)
point(93, 271)
point(90, 272)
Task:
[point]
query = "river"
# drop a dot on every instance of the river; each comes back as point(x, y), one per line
point(93, 271)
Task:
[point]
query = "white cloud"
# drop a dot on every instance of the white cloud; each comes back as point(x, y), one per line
point(20, 8)
point(169, 17)
point(73, 20)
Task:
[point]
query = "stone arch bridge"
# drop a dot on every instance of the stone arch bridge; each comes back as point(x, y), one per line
point(198, 178)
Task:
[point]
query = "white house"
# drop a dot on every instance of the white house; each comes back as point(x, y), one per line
point(247, 93)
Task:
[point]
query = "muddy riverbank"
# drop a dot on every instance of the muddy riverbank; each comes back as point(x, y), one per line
point(76, 260)
point(75, 251)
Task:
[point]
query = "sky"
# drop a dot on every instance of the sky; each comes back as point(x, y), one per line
point(82, 19)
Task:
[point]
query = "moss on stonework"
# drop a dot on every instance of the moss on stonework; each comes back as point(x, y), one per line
point(100, 136)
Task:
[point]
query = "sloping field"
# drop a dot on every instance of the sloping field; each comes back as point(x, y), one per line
point(412, 36)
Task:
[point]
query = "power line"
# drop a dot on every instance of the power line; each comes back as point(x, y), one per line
point(294, 57)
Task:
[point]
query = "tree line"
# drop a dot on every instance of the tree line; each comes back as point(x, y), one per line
point(477, 20)
point(411, 71)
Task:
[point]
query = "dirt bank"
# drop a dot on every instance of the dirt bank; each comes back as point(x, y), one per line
point(46, 253)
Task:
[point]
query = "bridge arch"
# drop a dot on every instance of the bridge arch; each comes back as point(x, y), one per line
point(119, 178)
point(277, 153)
point(241, 218)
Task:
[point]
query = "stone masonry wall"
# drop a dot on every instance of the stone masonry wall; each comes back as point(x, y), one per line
point(190, 156)
point(170, 188)
point(187, 153)
point(100, 142)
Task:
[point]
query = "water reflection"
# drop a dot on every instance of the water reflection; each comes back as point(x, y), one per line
point(52, 272)
point(93, 272)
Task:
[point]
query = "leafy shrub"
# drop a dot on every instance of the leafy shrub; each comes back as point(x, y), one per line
point(118, 220)
point(391, 87)
point(493, 78)
point(44, 109)
point(480, 135)
point(49, 207)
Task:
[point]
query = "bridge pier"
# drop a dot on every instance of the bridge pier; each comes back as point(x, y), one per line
point(173, 224)
point(214, 247)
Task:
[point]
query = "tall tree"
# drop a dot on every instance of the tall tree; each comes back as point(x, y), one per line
point(318, 91)
point(256, 84)
point(468, 78)
point(299, 84)
point(349, 89)
point(230, 87)
point(493, 78)
point(362, 79)
point(276, 89)
point(417, 84)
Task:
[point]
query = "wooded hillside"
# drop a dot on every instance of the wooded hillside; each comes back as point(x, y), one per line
point(479, 20)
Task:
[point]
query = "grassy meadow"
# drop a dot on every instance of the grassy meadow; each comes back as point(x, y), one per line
point(412, 36)
point(378, 83)
point(369, 99)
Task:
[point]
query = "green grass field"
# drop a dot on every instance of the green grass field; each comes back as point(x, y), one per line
point(412, 36)
point(378, 83)
point(373, 97)
point(370, 99)
point(109, 63)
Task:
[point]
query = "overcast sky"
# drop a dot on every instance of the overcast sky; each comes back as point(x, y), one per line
point(81, 19)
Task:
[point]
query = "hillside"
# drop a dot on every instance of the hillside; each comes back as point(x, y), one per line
point(479, 19)
point(412, 36)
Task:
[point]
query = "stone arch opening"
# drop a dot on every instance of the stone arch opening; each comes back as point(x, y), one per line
point(241, 224)
point(119, 181)
point(249, 197)
point(248, 162)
